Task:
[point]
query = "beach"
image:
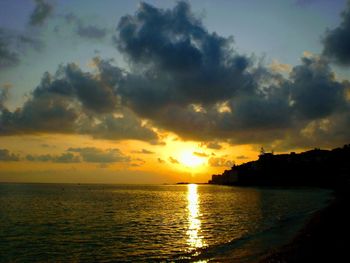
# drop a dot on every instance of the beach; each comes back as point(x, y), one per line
point(325, 238)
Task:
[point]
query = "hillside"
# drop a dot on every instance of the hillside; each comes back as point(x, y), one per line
point(315, 168)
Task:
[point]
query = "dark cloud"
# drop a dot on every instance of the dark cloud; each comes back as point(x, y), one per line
point(62, 158)
point(83, 30)
point(67, 158)
point(8, 57)
point(96, 95)
point(40, 13)
point(200, 154)
point(325, 133)
point(4, 90)
point(143, 151)
point(308, 2)
point(95, 155)
point(91, 31)
point(72, 101)
point(160, 160)
point(337, 41)
point(7, 156)
point(177, 60)
point(182, 75)
point(192, 82)
point(271, 113)
point(173, 160)
point(137, 162)
point(214, 145)
point(39, 158)
point(211, 145)
point(46, 113)
point(30, 41)
point(13, 46)
point(87, 154)
point(315, 93)
point(122, 126)
point(71, 18)
point(178, 65)
point(220, 162)
point(241, 157)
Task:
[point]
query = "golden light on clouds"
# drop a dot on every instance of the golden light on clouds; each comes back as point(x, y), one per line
point(173, 160)
point(183, 156)
point(189, 159)
point(277, 66)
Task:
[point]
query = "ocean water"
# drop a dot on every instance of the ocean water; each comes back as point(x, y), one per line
point(148, 223)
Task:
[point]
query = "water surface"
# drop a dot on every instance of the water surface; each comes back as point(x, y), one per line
point(128, 223)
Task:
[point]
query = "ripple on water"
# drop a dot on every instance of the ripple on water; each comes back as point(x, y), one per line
point(42, 222)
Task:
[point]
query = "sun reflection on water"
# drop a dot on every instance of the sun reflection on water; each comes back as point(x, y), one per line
point(194, 239)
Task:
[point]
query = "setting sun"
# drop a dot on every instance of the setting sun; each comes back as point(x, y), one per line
point(187, 158)
point(174, 131)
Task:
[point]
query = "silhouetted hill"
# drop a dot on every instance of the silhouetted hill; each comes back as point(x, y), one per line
point(315, 168)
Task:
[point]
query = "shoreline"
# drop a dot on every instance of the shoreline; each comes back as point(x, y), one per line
point(324, 238)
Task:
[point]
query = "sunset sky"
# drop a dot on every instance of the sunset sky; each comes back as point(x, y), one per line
point(167, 91)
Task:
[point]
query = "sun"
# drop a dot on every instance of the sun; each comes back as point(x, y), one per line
point(187, 158)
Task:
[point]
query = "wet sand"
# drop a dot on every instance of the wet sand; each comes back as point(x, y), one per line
point(325, 238)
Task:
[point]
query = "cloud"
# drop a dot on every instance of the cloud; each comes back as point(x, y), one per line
point(187, 80)
point(91, 31)
point(34, 42)
point(200, 154)
point(13, 46)
point(143, 151)
point(95, 155)
point(123, 126)
point(83, 30)
point(220, 162)
point(86, 154)
point(4, 90)
point(280, 67)
point(184, 93)
point(315, 93)
point(325, 133)
point(41, 12)
point(45, 145)
point(307, 2)
point(62, 158)
point(178, 61)
point(160, 160)
point(187, 74)
point(241, 157)
point(67, 158)
point(337, 41)
point(46, 113)
point(7, 156)
point(211, 145)
point(73, 101)
point(137, 162)
point(173, 160)
point(8, 57)
point(95, 94)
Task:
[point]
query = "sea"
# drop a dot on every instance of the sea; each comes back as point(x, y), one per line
point(149, 223)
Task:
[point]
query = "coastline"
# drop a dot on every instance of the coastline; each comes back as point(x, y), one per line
point(324, 238)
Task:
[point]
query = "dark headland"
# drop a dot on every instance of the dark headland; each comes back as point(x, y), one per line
point(325, 237)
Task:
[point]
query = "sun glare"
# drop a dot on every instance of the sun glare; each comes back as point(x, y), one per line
point(187, 158)
point(195, 240)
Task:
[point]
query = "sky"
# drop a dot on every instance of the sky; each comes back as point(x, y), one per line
point(167, 91)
